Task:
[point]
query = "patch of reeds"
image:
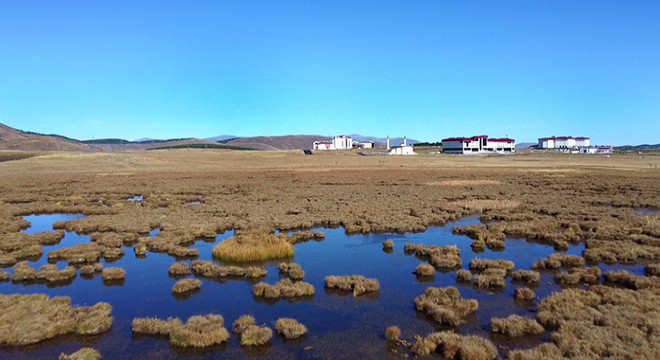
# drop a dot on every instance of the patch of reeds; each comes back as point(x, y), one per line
point(526, 276)
point(186, 286)
point(242, 323)
point(256, 336)
point(29, 319)
point(254, 247)
point(290, 328)
point(284, 288)
point(292, 270)
point(90, 269)
point(208, 269)
point(445, 305)
point(51, 274)
point(463, 275)
point(491, 236)
point(524, 294)
point(579, 275)
point(355, 283)
point(199, 331)
point(626, 279)
point(547, 351)
point(179, 269)
point(425, 270)
point(490, 278)
point(82, 354)
point(482, 264)
point(515, 326)
point(442, 257)
point(452, 346)
point(113, 274)
point(556, 261)
point(652, 269)
point(393, 333)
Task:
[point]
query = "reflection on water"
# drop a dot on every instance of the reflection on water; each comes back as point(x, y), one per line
point(646, 211)
point(340, 326)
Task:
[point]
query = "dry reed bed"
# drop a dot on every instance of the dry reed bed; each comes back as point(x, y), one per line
point(255, 335)
point(575, 276)
point(292, 270)
point(29, 319)
point(199, 331)
point(356, 284)
point(442, 257)
point(284, 288)
point(491, 236)
point(451, 346)
point(179, 269)
point(624, 278)
point(524, 294)
point(290, 328)
point(207, 269)
point(242, 323)
point(186, 286)
point(254, 247)
point(445, 305)
point(515, 326)
point(82, 354)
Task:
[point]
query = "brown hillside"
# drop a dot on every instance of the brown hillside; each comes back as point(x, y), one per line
point(289, 142)
point(13, 139)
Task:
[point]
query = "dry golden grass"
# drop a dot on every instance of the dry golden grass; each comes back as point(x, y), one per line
point(481, 264)
point(82, 354)
point(355, 283)
point(186, 286)
point(526, 276)
point(652, 269)
point(254, 247)
point(89, 270)
point(461, 182)
point(463, 275)
point(579, 275)
point(491, 236)
point(453, 346)
point(445, 305)
point(443, 257)
point(388, 245)
point(624, 278)
point(154, 326)
point(524, 294)
point(242, 323)
point(24, 273)
point(556, 261)
point(543, 351)
point(425, 270)
point(290, 328)
point(393, 333)
point(29, 319)
point(256, 336)
point(490, 278)
point(292, 270)
point(179, 269)
point(199, 331)
point(51, 274)
point(4, 276)
point(515, 326)
point(302, 236)
point(284, 288)
point(113, 274)
point(207, 269)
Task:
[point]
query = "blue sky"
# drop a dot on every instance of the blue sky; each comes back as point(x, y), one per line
point(426, 69)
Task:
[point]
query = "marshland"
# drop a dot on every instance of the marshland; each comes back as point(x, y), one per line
point(533, 246)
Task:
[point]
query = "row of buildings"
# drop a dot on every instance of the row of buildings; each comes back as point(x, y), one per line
point(571, 144)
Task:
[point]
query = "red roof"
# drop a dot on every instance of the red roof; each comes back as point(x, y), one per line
point(563, 138)
point(501, 140)
point(477, 137)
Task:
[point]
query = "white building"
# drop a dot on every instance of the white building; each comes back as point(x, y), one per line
point(565, 143)
point(479, 144)
point(403, 149)
point(601, 149)
point(363, 144)
point(341, 142)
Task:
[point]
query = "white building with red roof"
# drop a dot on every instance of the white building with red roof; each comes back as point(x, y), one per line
point(564, 142)
point(478, 144)
point(341, 142)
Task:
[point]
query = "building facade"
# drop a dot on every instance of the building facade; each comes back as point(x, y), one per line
point(602, 149)
point(565, 143)
point(403, 149)
point(479, 144)
point(341, 142)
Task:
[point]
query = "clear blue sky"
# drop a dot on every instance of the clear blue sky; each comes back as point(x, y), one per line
point(426, 69)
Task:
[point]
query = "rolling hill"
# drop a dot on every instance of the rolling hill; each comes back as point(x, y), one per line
point(14, 139)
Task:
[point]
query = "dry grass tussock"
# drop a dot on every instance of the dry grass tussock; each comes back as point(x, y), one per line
point(256, 336)
point(515, 326)
point(603, 322)
point(578, 275)
point(463, 275)
point(356, 283)
point(556, 261)
point(452, 346)
point(113, 274)
point(445, 305)
point(186, 285)
point(4, 276)
point(624, 278)
point(526, 276)
point(51, 274)
point(490, 278)
point(254, 247)
point(15, 247)
point(393, 333)
point(302, 236)
point(443, 257)
point(87, 253)
point(242, 323)
point(198, 331)
point(208, 269)
point(29, 319)
point(479, 206)
point(547, 351)
point(179, 269)
point(524, 294)
point(388, 245)
point(462, 182)
point(284, 288)
point(290, 328)
point(652, 269)
point(292, 270)
point(425, 270)
point(480, 264)
point(82, 354)
point(491, 236)
point(90, 269)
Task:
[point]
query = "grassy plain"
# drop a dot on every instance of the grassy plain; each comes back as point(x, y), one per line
point(549, 198)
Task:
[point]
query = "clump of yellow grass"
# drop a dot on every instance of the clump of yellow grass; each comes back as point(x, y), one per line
point(113, 274)
point(515, 326)
point(290, 328)
point(356, 283)
point(284, 288)
point(454, 346)
point(254, 247)
point(242, 323)
point(199, 331)
point(82, 354)
point(184, 286)
point(445, 305)
point(256, 335)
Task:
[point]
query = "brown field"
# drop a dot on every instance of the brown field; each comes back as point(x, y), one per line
point(554, 199)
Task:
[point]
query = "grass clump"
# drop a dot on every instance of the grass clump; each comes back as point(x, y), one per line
point(425, 270)
point(652, 269)
point(256, 335)
point(89, 269)
point(290, 328)
point(388, 245)
point(443, 257)
point(515, 326)
point(82, 354)
point(393, 333)
point(199, 331)
point(526, 276)
point(481, 264)
point(284, 288)
point(626, 279)
point(254, 247)
point(356, 283)
point(302, 236)
point(491, 278)
point(547, 351)
point(24, 273)
point(292, 270)
point(576, 276)
point(463, 275)
point(556, 261)
point(524, 294)
point(242, 323)
point(154, 326)
point(452, 346)
point(179, 269)
point(113, 274)
point(445, 305)
point(4, 276)
point(209, 270)
point(51, 274)
point(140, 249)
point(184, 286)
point(29, 319)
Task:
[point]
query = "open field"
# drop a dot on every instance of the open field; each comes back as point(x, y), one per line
point(557, 200)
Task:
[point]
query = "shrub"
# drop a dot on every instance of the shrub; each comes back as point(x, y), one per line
point(454, 346)
point(290, 328)
point(292, 270)
point(515, 326)
point(524, 294)
point(463, 275)
point(356, 283)
point(526, 276)
point(82, 354)
point(284, 288)
point(445, 305)
point(186, 285)
point(254, 247)
point(393, 333)
point(200, 331)
point(256, 335)
point(179, 269)
point(480, 264)
point(113, 274)
point(242, 323)
point(424, 270)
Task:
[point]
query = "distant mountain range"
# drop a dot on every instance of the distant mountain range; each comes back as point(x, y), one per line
point(642, 147)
